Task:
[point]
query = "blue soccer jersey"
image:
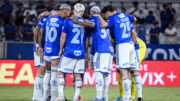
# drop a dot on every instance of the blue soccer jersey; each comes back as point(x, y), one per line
point(53, 27)
point(121, 26)
point(92, 51)
point(102, 37)
point(75, 39)
point(40, 24)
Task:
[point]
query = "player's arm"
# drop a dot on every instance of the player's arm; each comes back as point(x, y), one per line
point(87, 44)
point(86, 24)
point(133, 34)
point(62, 42)
point(40, 50)
point(104, 24)
point(43, 14)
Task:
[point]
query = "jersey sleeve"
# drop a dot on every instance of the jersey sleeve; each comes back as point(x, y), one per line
point(65, 26)
point(131, 25)
point(110, 21)
point(39, 23)
point(43, 25)
point(151, 30)
point(131, 18)
point(93, 20)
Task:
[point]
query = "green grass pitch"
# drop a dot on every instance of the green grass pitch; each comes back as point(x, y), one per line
point(24, 93)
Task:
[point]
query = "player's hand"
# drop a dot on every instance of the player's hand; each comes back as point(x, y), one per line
point(37, 48)
point(46, 13)
point(60, 54)
point(40, 52)
point(74, 19)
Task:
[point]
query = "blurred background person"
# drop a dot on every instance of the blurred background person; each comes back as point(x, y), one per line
point(32, 12)
point(19, 15)
point(135, 11)
point(27, 31)
point(40, 7)
point(164, 18)
point(7, 9)
point(154, 33)
point(123, 10)
point(32, 20)
point(50, 7)
point(170, 34)
point(172, 13)
point(9, 30)
point(150, 18)
point(18, 35)
point(141, 30)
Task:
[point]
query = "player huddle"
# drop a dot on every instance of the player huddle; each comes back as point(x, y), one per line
point(62, 38)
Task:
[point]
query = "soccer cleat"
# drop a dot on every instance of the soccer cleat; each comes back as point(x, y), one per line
point(60, 99)
point(66, 99)
point(43, 99)
point(96, 99)
point(118, 99)
point(79, 99)
point(140, 99)
point(103, 99)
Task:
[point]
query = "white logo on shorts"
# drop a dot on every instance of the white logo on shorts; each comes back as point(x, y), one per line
point(48, 49)
point(111, 48)
point(77, 53)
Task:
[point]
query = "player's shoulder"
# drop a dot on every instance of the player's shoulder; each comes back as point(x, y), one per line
point(81, 19)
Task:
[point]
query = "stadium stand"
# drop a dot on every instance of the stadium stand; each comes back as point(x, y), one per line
point(145, 5)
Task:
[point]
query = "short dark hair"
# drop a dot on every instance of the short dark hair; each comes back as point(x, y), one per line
point(41, 1)
point(30, 4)
point(141, 21)
point(20, 4)
point(115, 9)
point(57, 7)
point(85, 16)
point(150, 12)
point(156, 22)
point(171, 24)
point(135, 3)
point(107, 8)
point(169, 3)
point(164, 6)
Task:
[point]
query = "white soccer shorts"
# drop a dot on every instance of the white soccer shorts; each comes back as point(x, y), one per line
point(50, 58)
point(103, 62)
point(137, 60)
point(69, 65)
point(38, 61)
point(91, 62)
point(125, 56)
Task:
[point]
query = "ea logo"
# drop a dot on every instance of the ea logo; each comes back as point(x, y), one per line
point(77, 53)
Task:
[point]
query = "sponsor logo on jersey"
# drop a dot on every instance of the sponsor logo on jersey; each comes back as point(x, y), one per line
point(121, 15)
point(67, 69)
point(77, 53)
point(48, 49)
point(111, 48)
point(54, 19)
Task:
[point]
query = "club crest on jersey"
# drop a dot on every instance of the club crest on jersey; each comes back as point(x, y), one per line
point(77, 53)
point(54, 19)
point(121, 15)
point(111, 48)
point(48, 49)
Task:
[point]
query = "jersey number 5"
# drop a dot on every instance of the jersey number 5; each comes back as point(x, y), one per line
point(126, 28)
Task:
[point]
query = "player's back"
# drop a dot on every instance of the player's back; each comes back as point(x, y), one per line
point(53, 26)
point(101, 37)
point(121, 26)
point(74, 47)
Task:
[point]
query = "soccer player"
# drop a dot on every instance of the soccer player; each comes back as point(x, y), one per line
point(72, 57)
point(125, 38)
point(103, 54)
point(52, 27)
point(39, 62)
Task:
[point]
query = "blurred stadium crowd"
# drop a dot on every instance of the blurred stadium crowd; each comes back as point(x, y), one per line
point(158, 23)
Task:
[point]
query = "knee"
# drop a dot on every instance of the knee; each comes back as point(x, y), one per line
point(41, 70)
